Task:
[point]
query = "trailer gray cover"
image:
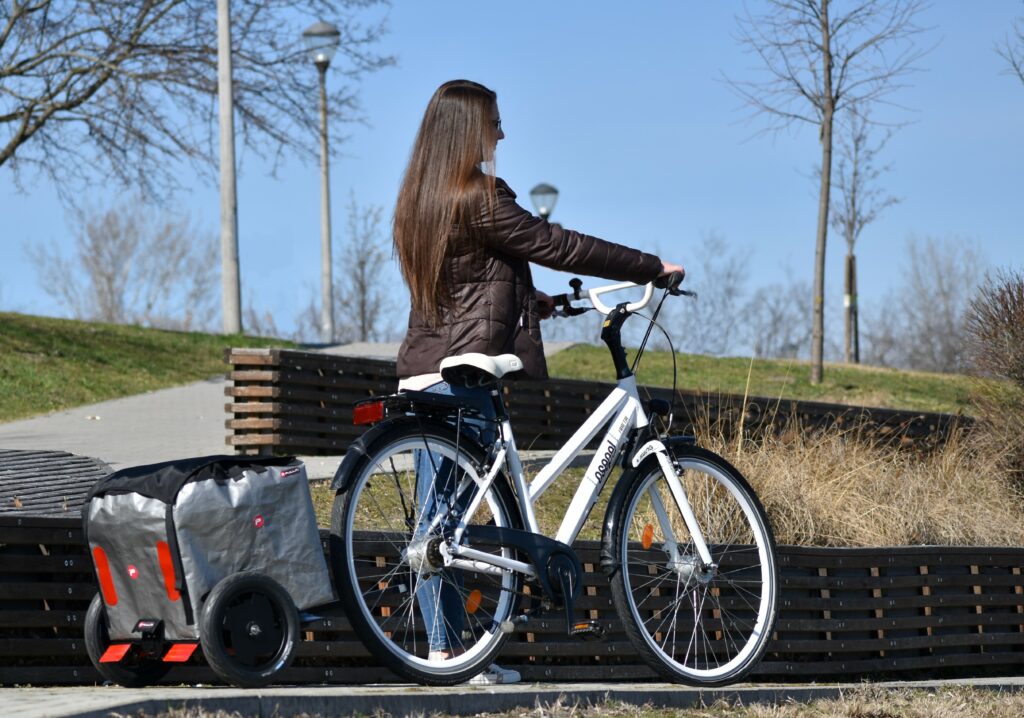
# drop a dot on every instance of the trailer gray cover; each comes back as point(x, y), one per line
point(161, 536)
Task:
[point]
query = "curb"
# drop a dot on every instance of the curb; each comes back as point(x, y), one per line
point(417, 700)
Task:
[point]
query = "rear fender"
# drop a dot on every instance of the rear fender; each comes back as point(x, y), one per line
point(362, 446)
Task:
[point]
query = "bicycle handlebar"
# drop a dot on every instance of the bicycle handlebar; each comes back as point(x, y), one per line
point(563, 302)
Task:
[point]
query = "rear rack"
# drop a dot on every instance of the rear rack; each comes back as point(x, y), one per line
point(374, 409)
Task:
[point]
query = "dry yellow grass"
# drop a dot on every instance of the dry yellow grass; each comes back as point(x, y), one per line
point(837, 489)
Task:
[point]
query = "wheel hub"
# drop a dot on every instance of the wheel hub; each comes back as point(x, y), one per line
point(690, 567)
point(424, 555)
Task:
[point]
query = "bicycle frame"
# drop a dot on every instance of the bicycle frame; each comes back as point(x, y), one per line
point(621, 412)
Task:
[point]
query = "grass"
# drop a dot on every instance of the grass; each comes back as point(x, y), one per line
point(50, 364)
point(860, 702)
point(843, 384)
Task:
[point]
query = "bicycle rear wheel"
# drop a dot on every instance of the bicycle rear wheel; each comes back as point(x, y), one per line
point(387, 557)
point(696, 624)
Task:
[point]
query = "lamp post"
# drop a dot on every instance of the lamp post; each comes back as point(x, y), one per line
point(544, 197)
point(322, 40)
point(231, 292)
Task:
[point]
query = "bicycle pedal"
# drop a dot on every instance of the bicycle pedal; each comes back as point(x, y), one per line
point(588, 631)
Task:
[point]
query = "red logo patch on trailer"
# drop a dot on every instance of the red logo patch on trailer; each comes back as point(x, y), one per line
point(289, 472)
point(258, 521)
point(132, 571)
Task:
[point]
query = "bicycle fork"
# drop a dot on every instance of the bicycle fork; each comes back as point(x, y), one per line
point(682, 503)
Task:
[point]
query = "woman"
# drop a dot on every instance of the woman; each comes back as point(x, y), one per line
point(465, 248)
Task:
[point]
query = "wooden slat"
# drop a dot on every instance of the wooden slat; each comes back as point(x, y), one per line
point(948, 608)
point(289, 383)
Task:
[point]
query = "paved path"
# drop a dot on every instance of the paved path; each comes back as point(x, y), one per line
point(161, 425)
point(282, 702)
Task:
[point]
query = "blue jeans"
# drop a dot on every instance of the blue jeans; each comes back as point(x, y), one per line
point(436, 482)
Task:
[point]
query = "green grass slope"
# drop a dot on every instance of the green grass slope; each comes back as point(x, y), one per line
point(48, 364)
point(789, 378)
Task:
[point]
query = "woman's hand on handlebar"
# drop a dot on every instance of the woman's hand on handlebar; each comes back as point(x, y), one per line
point(667, 268)
point(545, 304)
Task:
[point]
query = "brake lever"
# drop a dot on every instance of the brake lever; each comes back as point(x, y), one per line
point(571, 311)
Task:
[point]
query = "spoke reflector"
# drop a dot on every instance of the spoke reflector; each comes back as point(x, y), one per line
point(648, 537)
point(473, 601)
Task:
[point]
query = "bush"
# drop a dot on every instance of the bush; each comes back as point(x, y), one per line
point(995, 329)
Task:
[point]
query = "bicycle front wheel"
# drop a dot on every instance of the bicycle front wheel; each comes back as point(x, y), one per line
point(432, 623)
point(696, 623)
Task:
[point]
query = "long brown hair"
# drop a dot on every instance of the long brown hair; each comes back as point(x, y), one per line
point(444, 189)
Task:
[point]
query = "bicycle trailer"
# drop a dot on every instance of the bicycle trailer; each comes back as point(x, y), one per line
point(218, 551)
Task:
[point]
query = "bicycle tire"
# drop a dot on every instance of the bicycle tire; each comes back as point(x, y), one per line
point(136, 670)
point(691, 624)
point(249, 629)
point(377, 539)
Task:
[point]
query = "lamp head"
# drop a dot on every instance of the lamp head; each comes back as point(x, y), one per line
point(321, 40)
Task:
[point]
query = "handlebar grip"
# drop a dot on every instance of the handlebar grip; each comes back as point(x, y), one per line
point(669, 281)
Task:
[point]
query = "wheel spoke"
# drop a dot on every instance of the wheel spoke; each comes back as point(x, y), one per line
point(702, 629)
point(383, 527)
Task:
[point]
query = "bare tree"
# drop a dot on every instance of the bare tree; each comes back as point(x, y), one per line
point(921, 324)
point(719, 276)
point(858, 203)
point(130, 268)
point(363, 302)
point(817, 63)
point(1012, 50)
point(774, 323)
point(130, 87)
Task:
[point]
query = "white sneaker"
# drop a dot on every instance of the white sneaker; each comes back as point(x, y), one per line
point(494, 675)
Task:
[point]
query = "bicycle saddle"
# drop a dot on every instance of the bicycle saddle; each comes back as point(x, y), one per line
point(476, 369)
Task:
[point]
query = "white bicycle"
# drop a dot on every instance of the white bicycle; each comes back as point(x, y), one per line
point(686, 544)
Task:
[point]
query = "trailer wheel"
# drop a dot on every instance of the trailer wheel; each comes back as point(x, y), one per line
point(248, 629)
point(135, 670)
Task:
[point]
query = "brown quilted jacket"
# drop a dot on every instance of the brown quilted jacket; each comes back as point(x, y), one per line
point(495, 311)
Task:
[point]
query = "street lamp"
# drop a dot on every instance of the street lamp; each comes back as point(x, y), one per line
point(322, 40)
point(544, 197)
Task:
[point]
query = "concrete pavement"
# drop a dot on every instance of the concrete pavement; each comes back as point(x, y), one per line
point(162, 425)
point(282, 702)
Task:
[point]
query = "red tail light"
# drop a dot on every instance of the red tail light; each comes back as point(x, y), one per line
point(369, 412)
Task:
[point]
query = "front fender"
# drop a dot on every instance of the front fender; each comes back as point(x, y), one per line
point(609, 561)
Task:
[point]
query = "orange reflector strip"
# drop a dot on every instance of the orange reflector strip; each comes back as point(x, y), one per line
point(648, 537)
point(163, 552)
point(368, 412)
point(473, 601)
point(180, 652)
point(115, 652)
point(99, 558)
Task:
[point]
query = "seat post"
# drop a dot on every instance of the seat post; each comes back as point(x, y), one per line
point(499, 405)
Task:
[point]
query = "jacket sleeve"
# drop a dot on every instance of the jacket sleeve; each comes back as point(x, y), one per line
point(516, 232)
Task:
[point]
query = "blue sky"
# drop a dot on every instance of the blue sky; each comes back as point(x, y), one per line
point(622, 107)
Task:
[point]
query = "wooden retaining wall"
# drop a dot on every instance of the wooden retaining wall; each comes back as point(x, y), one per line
point(285, 401)
point(844, 613)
